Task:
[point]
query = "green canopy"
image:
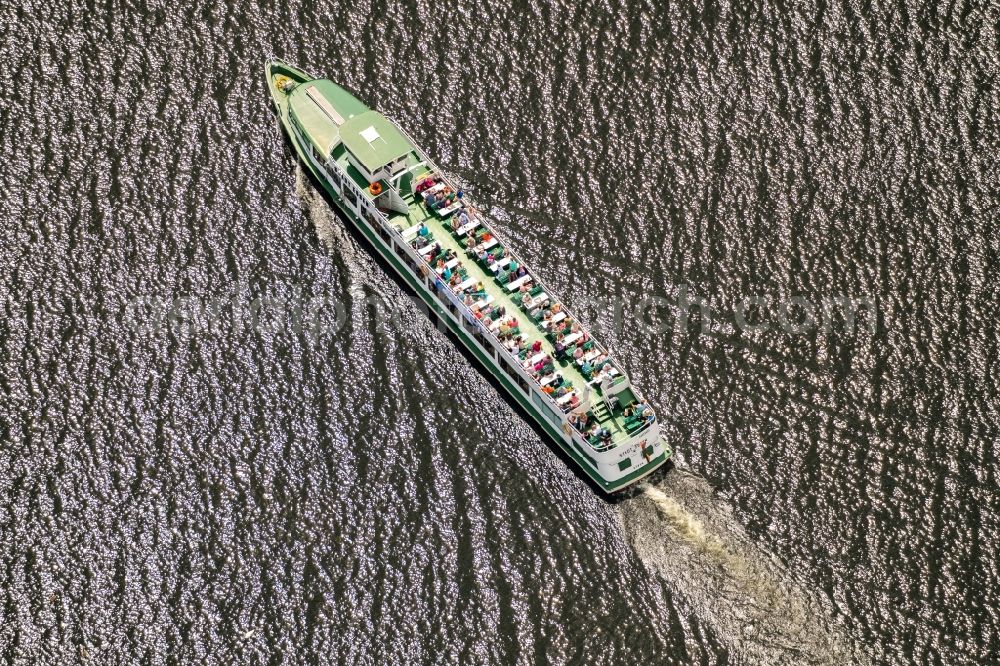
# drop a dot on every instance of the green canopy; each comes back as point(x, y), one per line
point(373, 140)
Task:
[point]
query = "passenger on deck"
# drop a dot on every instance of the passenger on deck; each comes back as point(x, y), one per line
point(431, 200)
point(484, 256)
point(513, 266)
point(599, 432)
point(536, 347)
point(455, 224)
point(423, 231)
point(425, 182)
point(462, 218)
point(632, 408)
point(578, 354)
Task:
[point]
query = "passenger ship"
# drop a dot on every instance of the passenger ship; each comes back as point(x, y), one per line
point(427, 229)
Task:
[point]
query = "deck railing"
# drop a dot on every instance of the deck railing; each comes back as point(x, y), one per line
point(514, 361)
point(434, 168)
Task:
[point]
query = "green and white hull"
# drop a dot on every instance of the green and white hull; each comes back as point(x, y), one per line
point(354, 151)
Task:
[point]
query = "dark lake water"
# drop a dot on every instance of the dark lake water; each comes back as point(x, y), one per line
point(258, 494)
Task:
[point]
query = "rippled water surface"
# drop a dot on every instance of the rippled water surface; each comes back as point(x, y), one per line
point(232, 494)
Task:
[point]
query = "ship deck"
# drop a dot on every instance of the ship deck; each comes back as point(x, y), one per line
point(319, 127)
point(531, 331)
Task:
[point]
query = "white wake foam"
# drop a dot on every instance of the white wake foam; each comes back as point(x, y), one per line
point(682, 532)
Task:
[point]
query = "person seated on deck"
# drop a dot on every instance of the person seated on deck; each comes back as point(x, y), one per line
point(521, 272)
point(423, 231)
point(548, 389)
point(470, 303)
point(536, 347)
point(586, 368)
point(601, 433)
point(525, 286)
point(648, 415)
point(484, 256)
point(427, 181)
point(446, 274)
point(632, 408)
point(445, 198)
point(547, 315)
point(513, 266)
point(578, 354)
point(462, 217)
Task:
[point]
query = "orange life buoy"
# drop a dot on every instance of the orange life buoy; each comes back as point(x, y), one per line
point(375, 188)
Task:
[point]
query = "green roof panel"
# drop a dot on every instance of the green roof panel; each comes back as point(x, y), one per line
point(373, 140)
